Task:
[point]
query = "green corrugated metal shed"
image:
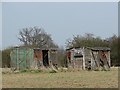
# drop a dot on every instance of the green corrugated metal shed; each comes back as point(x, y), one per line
point(21, 58)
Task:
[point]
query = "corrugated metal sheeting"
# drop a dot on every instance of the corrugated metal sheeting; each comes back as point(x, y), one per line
point(21, 58)
point(25, 58)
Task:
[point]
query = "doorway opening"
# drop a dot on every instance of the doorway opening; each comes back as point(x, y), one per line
point(45, 58)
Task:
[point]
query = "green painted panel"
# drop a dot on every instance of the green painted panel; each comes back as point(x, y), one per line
point(21, 58)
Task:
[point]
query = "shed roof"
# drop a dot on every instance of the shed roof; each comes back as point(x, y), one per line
point(54, 49)
point(93, 48)
point(72, 48)
point(99, 48)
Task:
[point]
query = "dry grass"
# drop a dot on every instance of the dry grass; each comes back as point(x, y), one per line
point(74, 79)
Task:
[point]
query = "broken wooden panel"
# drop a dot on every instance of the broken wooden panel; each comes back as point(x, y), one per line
point(38, 58)
point(104, 59)
point(79, 63)
point(90, 58)
point(38, 54)
point(53, 56)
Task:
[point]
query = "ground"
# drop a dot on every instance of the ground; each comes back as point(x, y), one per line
point(73, 79)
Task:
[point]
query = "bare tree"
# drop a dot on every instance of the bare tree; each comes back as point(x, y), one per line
point(35, 37)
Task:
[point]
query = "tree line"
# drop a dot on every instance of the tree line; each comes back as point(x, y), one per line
point(89, 40)
point(35, 37)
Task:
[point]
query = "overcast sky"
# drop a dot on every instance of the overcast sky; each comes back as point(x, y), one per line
point(61, 20)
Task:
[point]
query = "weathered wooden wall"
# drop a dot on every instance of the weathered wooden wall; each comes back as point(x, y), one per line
point(90, 59)
point(51, 56)
point(25, 58)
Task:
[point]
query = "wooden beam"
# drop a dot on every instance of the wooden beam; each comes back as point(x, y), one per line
point(83, 58)
point(109, 61)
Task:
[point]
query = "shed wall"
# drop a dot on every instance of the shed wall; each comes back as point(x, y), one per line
point(21, 58)
point(91, 59)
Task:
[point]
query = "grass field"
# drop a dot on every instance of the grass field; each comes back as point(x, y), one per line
point(73, 79)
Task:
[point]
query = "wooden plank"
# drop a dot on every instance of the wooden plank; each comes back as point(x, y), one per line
point(83, 58)
point(94, 58)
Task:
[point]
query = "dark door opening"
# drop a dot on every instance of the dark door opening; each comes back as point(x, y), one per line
point(45, 58)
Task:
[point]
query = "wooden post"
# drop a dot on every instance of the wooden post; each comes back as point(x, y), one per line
point(41, 58)
point(17, 66)
point(25, 60)
point(42, 65)
point(49, 58)
point(98, 59)
point(72, 59)
point(83, 58)
point(92, 63)
point(109, 61)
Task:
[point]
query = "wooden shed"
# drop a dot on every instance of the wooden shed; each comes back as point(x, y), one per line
point(88, 58)
point(26, 58)
point(45, 57)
